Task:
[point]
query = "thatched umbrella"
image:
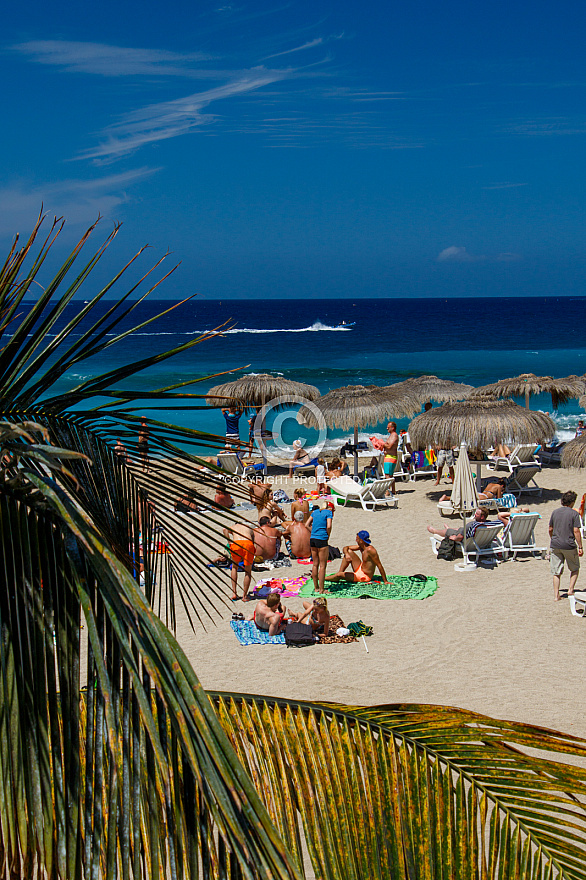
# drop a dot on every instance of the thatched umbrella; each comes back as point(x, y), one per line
point(480, 424)
point(574, 453)
point(358, 406)
point(526, 384)
point(255, 390)
point(428, 388)
point(258, 389)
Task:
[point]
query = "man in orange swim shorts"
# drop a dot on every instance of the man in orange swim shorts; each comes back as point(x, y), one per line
point(362, 569)
point(241, 538)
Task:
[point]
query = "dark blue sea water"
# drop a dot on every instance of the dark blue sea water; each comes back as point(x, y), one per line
point(474, 341)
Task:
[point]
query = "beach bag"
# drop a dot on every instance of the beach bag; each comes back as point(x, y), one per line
point(333, 553)
point(447, 550)
point(298, 635)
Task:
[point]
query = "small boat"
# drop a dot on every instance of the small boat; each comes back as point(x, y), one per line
point(347, 324)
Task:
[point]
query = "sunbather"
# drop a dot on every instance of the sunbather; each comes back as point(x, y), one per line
point(267, 540)
point(300, 457)
point(300, 504)
point(362, 569)
point(269, 508)
point(270, 616)
point(495, 489)
point(297, 537)
point(479, 519)
point(223, 497)
point(317, 615)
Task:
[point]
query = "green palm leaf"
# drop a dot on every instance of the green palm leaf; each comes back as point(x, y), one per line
point(413, 791)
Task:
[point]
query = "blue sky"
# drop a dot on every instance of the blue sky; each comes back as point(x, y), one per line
point(297, 149)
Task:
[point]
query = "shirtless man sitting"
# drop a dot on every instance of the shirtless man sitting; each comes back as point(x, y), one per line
point(299, 535)
point(267, 540)
point(270, 616)
point(362, 569)
point(242, 548)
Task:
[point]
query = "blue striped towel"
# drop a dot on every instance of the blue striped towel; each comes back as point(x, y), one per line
point(248, 633)
point(507, 500)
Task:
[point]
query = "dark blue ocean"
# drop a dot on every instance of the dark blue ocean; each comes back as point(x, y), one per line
point(474, 341)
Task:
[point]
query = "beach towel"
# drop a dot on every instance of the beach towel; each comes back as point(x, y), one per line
point(423, 458)
point(398, 587)
point(332, 637)
point(248, 633)
point(288, 587)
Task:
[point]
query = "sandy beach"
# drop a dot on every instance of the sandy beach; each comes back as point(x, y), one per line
point(492, 641)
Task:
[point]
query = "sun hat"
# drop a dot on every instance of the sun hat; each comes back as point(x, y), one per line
point(297, 444)
point(364, 536)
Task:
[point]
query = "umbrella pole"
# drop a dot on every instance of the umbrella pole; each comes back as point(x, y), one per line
point(527, 396)
point(355, 450)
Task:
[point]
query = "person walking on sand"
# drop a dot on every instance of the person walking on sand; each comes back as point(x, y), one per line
point(362, 569)
point(444, 457)
point(565, 543)
point(143, 444)
point(241, 539)
point(390, 449)
point(320, 526)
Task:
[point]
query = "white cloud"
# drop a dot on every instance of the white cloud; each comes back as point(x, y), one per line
point(309, 45)
point(455, 254)
point(104, 60)
point(169, 119)
point(79, 201)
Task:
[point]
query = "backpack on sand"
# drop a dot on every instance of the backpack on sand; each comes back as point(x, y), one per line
point(298, 635)
point(447, 550)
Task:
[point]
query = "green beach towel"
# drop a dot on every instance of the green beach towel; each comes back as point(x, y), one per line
point(398, 587)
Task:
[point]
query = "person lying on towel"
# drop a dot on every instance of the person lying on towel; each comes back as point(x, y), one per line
point(362, 569)
point(270, 616)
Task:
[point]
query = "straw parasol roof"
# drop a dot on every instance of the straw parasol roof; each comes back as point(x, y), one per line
point(574, 453)
point(256, 389)
point(358, 406)
point(480, 424)
point(526, 384)
point(427, 388)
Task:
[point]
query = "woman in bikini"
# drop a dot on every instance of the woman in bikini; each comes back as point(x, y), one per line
point(267, 507)
point(317, 615)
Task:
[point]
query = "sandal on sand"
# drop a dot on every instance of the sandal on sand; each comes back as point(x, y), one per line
point(234, 598)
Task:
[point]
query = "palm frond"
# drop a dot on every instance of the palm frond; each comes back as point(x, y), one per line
point(411, 791)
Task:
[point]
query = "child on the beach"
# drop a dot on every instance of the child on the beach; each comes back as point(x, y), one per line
point(320, 476)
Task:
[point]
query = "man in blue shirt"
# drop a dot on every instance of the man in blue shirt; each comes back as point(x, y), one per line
point(320, 523)
point(232, 415)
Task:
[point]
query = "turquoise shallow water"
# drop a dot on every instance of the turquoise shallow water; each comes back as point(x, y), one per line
point(466, 340)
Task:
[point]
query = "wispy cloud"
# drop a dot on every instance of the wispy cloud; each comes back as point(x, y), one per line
point(104, 60)
point(81, 201)
point(319, 41)
point(458, 254)
point(170, 119)
point(504, 185)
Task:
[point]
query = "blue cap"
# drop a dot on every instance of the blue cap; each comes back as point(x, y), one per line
point(364, 536)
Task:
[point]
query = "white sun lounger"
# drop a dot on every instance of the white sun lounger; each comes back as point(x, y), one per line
point(523, 476)
point(578, 604)
point(523, 453)
point(370, 495)
point(485, 542)
point(519, 536)
point(231, 463)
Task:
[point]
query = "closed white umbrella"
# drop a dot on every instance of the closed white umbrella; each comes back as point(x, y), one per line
point(464, 494)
